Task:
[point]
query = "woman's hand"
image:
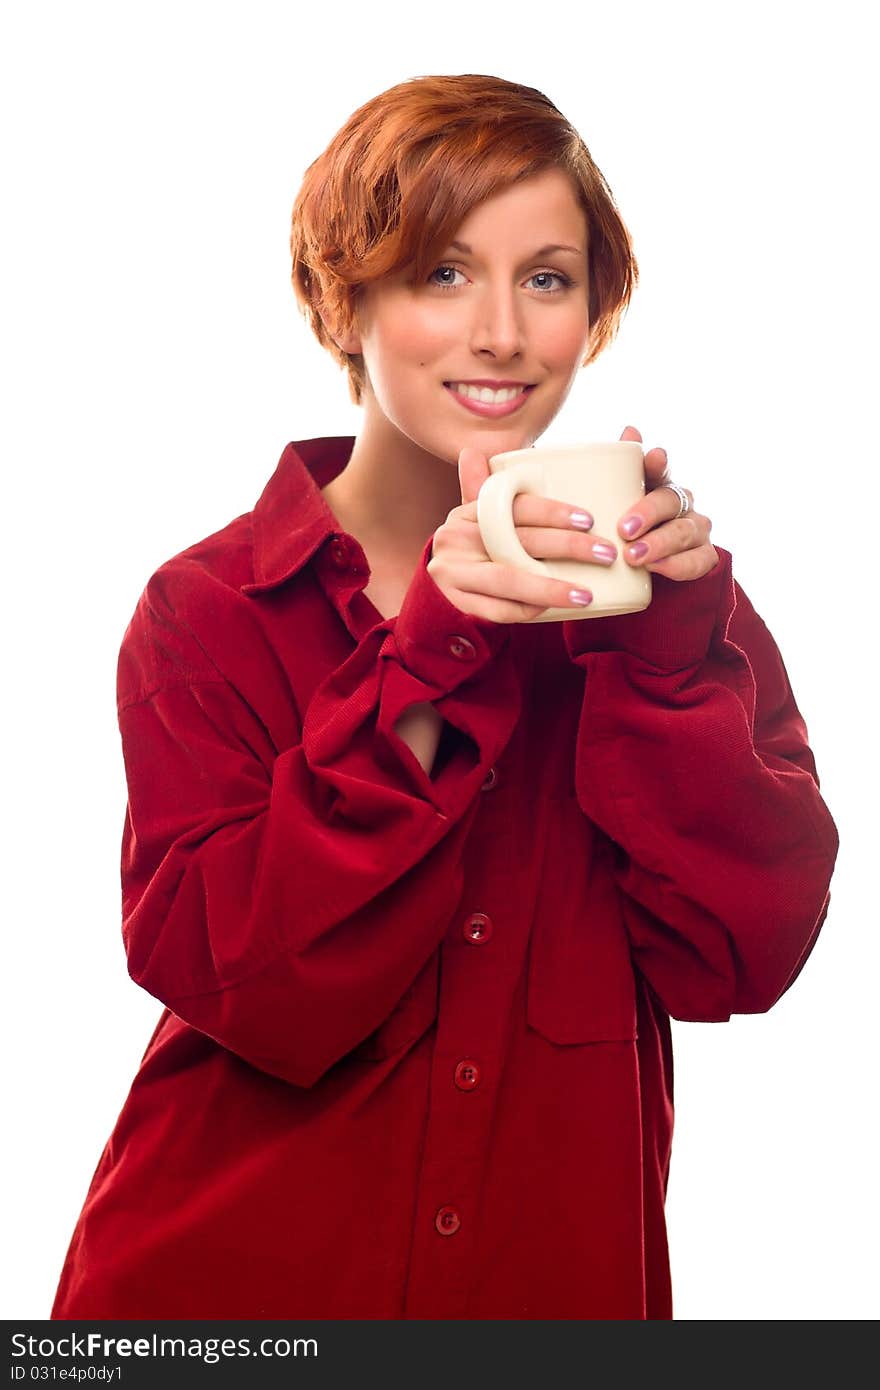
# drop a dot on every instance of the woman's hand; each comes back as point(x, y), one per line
point(656, 537)
point(547, 529)
point(552, 530)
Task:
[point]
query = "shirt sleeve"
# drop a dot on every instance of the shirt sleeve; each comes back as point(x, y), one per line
point(283, 902)
point(692, 757)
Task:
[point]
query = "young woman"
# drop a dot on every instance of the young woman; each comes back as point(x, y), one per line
point(420, 881)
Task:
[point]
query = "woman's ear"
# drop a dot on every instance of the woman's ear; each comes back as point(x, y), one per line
point(347, 339)
point(350, 341)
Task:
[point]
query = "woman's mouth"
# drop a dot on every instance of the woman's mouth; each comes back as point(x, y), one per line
point(488, 401)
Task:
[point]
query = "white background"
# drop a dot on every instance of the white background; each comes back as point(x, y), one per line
point(155, 366)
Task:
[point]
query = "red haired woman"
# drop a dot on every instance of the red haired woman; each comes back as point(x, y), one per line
point(420, 881)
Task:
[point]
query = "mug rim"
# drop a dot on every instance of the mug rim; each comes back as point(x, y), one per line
point(589, 446)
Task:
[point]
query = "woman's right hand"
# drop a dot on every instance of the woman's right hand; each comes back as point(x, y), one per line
point(476, 584)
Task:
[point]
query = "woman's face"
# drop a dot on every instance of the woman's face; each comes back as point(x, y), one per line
point(504, 314)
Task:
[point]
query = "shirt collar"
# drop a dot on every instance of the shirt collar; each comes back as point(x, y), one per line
point(291, 519)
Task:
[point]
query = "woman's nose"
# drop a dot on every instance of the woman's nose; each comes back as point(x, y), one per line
point(496, 327)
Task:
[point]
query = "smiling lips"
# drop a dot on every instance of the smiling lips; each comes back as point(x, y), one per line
point(501, 398)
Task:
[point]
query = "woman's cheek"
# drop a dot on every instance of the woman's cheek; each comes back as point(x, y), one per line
point(569, 344)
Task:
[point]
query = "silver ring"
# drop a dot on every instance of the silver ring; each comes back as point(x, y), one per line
point(684, 503)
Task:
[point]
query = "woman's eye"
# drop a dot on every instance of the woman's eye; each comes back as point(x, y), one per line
point(547, 276)
point(442, 276)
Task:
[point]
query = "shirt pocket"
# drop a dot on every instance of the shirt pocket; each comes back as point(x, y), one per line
point(409, 1020)
point(580, 982)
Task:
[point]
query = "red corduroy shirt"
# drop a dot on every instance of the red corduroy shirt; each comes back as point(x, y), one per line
point(415, 1055)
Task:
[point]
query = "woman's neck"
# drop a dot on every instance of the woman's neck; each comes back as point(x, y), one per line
point(392, 495)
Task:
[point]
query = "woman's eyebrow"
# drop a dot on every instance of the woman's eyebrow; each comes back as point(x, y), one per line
point(536, 255)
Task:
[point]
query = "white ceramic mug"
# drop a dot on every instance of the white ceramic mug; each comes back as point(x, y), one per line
point(602, 479)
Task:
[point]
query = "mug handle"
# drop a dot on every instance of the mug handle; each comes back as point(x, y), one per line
point(495, 514)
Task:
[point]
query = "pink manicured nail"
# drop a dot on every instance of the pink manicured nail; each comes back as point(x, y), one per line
point(606, 553)
point(581, 596)
point(582, 520)
point(631, 525)
point(636, 551)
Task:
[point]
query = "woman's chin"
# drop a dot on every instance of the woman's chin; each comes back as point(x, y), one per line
point(491, 442)
point(487, 442)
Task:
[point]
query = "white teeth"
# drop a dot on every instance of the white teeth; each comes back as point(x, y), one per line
point(485, 393)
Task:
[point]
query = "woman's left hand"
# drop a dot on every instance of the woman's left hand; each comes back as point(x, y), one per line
point(663, 542)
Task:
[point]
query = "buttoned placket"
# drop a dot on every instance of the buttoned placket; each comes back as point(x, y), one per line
point(343, 571)
point(470, 1039)
point(482, 960)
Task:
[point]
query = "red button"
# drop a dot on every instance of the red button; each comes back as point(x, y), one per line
point(447, 1221)
point(339, 552)
point(467, 1075)
point(491, 780)
point(462, 648)
point(477, 928)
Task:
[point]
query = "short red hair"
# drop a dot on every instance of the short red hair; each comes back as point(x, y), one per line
point(399, 178)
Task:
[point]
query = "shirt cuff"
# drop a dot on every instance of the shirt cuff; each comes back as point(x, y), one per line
point(674, 631)
point(437, 642)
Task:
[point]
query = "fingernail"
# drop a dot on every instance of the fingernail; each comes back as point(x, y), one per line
point(631, 525)
point(581, 596)
point(582, 520)
point(604, 552)
point(636, 551)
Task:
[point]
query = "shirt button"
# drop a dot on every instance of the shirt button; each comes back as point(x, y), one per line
point(467, 1075)
point(339, 552)
point(447, 1221)
point(461, 648)
point(477, 928)
point(491, 780)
